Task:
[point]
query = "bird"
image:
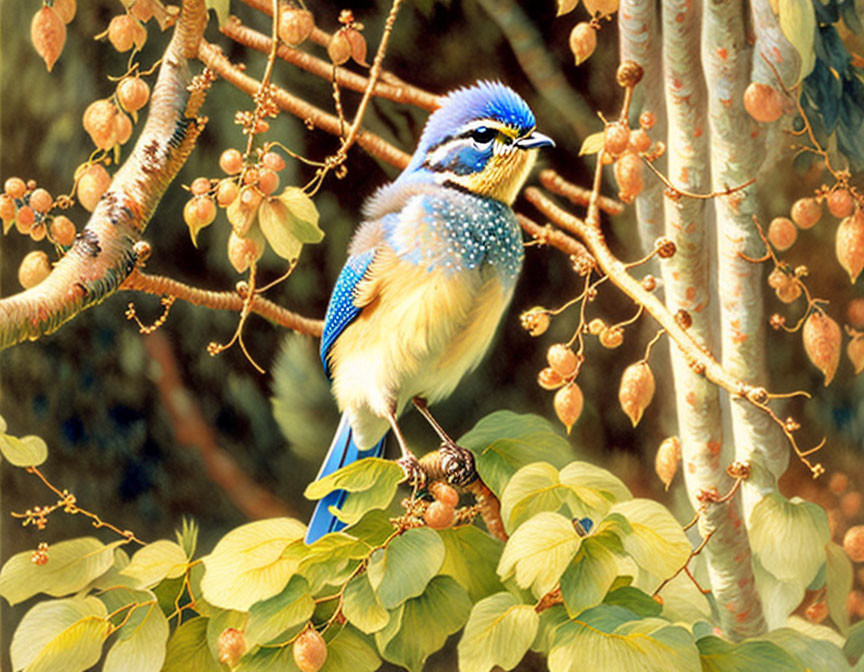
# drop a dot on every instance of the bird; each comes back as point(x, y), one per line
point(429, 275)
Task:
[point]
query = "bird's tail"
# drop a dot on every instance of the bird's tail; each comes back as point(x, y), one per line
point(342, 451)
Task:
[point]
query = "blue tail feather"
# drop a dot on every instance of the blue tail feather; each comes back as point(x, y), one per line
point(343, 451)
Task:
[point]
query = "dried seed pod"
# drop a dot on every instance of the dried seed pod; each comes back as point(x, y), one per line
point(628, 174)
point(339, 50)
point(764, 103)
point(124, 32)
point(640, 141)
point(667, 459)
point(310, 651)
point(62, 230)
point(568, 404)
point(99, 122)
point(853, 543)
point(822, 339)
point(65, 9)
point(549, 379)
point(562, 359)
point(133, 93)
point(840, 203)
point(48, 34)
point(583, 41)
point(295, 25)
point(231, 646)
point(855, 313)
point(616, 138)
point(636, 390)
point(782, 233)
point(806, 212)
point(34, 268)
point(244, 251)
point(92, 184)
point(849, 244)
point(855, 351)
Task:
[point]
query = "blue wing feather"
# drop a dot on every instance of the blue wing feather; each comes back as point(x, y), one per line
point(341, 310)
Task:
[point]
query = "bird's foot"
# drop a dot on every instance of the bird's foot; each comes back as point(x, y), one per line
point(457, 464)
point(415, 475)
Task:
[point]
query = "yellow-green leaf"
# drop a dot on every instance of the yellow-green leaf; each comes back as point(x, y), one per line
point(270, 618)
point(248, 566)
point(71, 566)
point(798, 23)
point(362, 608)
point(349, 651)
point(141, 645)
point(470, 557)
point(28, 451)
point(656, 541)
point(592, 144)
point(405, 566)
point(304, 215)
point(838, 583)
point(60, 635)
point(718, 655)
point(587, 580)
point(539, 551)
point(222, 9)
point(188, 649)
point(160, 560)
point(274, 218)
point(499, 632)
point(373, 480)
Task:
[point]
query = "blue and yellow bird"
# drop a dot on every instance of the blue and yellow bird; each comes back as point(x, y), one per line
point(429, 274)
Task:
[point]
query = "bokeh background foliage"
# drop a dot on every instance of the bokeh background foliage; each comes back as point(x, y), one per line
point(89, 389)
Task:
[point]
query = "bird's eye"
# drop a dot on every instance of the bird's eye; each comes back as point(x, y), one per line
point(483, 135)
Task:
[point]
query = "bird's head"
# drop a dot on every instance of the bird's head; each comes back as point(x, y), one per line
point(482, 139)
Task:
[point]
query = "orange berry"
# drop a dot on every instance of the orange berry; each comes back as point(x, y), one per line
point(853, 543)
point(855, 313)
point(444, 493)
point(231, 161)
point(38, 231)
point(647, 120)
point(568, 404)
point(124, 32)
point(133, 93)
point(583, 41)
point(616, 138)
point(667, 459)
point(15, 187)
point(439, 515)
point(840, 203)
point(48, 34)
point(764, 103)
point(93, 183)
point(789, 292)
point(640, 141)
point(273, 161)
point(562, 359)
point(817, 612)
point(7, 210)
point(65, 9)
point(198, 213)
point(250, 176)
point(849, 244)
point(596, 326)
point(822, 339)
point(200, 186)
point(231, 646)
point(226, 192)
point(62, 230)
point(611, 337)
point(535, 321)
point(855, 352)
point(838, 483)
point(549, 379)
point(628, 174)
point(122, 128)
point(850, 504)
point(34, 268)
point(24, 219)
point(40, 200)
point(99, 123)
point(636, 390)
point(268, 181)
point(310, 651)
point(295, 25)
point(782, 233)
point(806, 212)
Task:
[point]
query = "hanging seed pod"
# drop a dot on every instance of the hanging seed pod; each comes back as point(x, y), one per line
point(855, 313)
point(65, 9)
point(231, 646)
point(667, 459)
point(628, 174)
point(439, 515)
point(99, 122)
point(855, 352)
point(822, 339)
point(840, 203)
point(616, 138)
point(568, 404)
point(62, 230)
point(310, 651)
point(849, 244)
point(34, 268)
point(782, 233)
point(562, 359)
point(611, 337)
point(535, 321)
point(806, 212)
point(444, 493)
point(295, 25)
point(94, 182)
point(853, 543)
point(583, 41)
point(636, 391)
point(133, 93)
point(602, 7)
point(764, 103)
point(244, 251)
point(549, 379)
point(48, 34)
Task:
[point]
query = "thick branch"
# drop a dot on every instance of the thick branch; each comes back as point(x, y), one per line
point(102, 255)
point(162, 286)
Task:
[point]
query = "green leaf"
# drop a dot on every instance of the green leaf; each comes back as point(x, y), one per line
point(593, 143)
point(637, 601)
point(499, 632)
point(838, 581)
point(470, 557)
point(160, 560)
point(187, 536)
point(60, 635)
point(798, 23)
point(503, 442)
point(28, 451)
point(279, 659)
point(71, 566)
point(587, 580)
point(222, 9)
point(420, 626)
point(270, 618)
point(586, 479)
point(303, 215)
point(188, 649)
point(718, 655)
point(372, 480)
point(349, 651)
point(854, 647)
point(248, 566)
point(141, 645)
point(657, 542)
point(781, 529)
point(814, 654)
point(539, 551)
point(648, 646)
point(405, 566)
point(550, 619)
point(361, 607)
point(288, 221)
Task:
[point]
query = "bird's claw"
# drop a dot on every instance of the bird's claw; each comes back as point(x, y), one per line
point(458, 464)
point(415, 476)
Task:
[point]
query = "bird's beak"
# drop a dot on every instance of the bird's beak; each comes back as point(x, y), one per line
point(535, 140)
